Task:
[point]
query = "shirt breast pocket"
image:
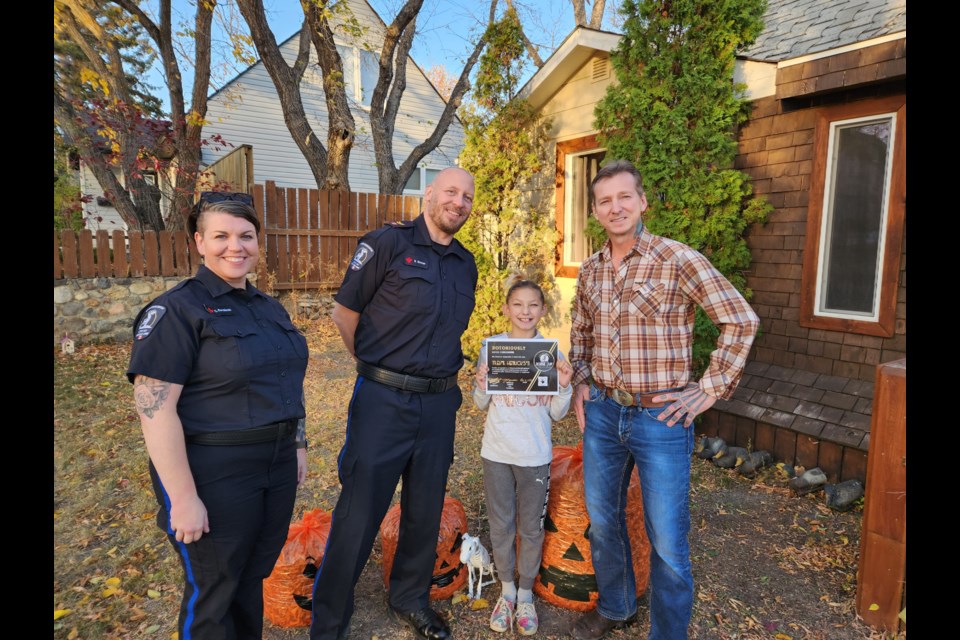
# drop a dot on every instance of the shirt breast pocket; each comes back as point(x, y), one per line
point(647, 299)
point(235, 343)
point(466, 300)
point(297, 340)
point(417, 291)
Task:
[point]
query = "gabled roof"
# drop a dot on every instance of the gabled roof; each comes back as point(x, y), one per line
point(572, 53)
point(296, 34)
point(794, 28)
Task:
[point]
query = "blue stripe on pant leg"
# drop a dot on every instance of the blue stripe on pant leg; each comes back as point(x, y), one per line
point(187, 566)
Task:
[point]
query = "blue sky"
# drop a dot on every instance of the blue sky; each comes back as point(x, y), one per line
point(445, 30)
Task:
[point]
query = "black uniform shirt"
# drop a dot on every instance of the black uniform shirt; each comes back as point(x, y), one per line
point(414, 299)
point(240, 359)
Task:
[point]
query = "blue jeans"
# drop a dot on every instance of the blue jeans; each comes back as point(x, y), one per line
point(616, 438)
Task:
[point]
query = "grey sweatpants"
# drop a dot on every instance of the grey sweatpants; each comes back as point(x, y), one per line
point(516, 503)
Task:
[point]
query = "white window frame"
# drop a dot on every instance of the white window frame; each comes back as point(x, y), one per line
point(423, 180)
point(356, 63)
point(886, 314)
point(826, 224)
point(568, 213)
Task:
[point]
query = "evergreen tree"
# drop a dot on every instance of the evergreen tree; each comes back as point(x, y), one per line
point(505, 151)
point(674, 113)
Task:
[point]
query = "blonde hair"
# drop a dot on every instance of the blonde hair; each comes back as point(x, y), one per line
point(517, 281)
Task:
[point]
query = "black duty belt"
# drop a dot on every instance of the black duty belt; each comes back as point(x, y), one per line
point(257, 435)
point(404, 382)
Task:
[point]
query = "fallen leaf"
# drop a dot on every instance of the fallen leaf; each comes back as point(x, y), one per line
point(152, 628)
point(109, 592)
point(903, 615)
point(479, 603)
point(153, 593)
point(458, 598)
point(874, 607)
point(783, 636)
point(112, 582)
point(59, 613)
point(73, 634)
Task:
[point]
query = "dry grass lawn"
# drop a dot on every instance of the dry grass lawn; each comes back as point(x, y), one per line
point(767, 564)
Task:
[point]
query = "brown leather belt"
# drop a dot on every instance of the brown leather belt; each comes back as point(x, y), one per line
point(627, 399)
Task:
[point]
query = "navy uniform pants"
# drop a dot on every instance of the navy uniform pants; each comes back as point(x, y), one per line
point(249, 492)
point(391, 434)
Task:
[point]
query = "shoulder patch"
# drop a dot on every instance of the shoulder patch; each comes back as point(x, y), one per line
point(362, 256)
point(397, 223)
point(150, 319)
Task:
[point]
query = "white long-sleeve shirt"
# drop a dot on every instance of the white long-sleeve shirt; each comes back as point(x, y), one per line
point(518, 426)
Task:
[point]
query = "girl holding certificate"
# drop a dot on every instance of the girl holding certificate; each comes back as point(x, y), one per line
point(516, 454)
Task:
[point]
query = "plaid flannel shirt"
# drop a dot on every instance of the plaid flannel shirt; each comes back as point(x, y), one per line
point(632, 326)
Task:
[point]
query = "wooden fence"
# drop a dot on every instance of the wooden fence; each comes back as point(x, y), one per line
point(307, 239)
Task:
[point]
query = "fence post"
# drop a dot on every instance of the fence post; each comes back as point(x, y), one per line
point(882, 570)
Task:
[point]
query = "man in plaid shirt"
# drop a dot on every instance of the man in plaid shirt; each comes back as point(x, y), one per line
point(631, 346)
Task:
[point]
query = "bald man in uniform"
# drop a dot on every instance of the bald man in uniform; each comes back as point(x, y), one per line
point(404, 303)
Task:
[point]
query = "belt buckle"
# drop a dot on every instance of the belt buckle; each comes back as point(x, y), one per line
point(623, 398)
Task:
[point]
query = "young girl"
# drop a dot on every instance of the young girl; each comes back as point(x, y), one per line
point(516, 454)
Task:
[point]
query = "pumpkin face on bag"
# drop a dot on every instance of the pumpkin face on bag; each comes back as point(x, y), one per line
point(449, 574)
point(288, 591)
point(566, 576)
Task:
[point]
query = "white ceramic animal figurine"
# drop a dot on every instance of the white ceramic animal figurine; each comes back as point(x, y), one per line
point(477, 558)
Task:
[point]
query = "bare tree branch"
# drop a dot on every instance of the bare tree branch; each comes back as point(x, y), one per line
point(596, 17)
point(531, 49)
point(286, 80)
point(393, 179)
point(341, 128)
point(579, 13)
point(78, 136)
point(187, 129)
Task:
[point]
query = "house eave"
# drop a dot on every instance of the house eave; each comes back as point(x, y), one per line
point(573, 52)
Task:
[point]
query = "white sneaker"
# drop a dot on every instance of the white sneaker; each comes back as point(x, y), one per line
point(526, 617)
point(502, 617)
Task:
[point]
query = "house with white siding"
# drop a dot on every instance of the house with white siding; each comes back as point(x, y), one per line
point(247, 111)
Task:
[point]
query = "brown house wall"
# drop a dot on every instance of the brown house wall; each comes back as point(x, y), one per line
point(775, 149)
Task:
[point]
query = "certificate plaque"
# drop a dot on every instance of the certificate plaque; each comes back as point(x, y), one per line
point(522, 366)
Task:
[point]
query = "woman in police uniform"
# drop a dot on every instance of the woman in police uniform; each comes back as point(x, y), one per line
point(218, 370)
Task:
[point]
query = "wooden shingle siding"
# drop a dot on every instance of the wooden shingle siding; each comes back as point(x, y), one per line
point(775, 151)
point(882, 62)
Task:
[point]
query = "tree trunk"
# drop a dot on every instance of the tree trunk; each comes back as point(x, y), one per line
point(286, 80)
point(341, 129)
point(187, 131)
point(384, 107)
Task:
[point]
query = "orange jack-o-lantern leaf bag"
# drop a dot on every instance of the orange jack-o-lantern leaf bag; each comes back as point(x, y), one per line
point(449, 574)
point(566, 576)
point(288, 590)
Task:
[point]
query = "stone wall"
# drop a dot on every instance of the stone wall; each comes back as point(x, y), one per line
point(103, 309)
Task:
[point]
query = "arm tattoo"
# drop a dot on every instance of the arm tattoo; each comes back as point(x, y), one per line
point(149, 395)
point(301, 430)
point(302, 422)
